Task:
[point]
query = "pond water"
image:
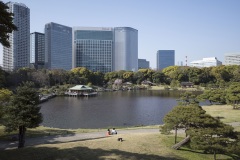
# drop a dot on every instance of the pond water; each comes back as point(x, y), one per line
point(109, 109)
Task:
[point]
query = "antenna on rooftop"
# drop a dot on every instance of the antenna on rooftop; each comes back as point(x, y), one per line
point(186, 60)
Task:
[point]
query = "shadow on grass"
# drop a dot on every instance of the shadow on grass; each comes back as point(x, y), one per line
point(48, 132)
point(33, 137)
point(77, 153)
point(186, 149)
point(37, 133)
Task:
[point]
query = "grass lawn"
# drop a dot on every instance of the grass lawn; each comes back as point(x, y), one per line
point(136, 146)
point(43, 131)
point(226, 113)
point(46, 131)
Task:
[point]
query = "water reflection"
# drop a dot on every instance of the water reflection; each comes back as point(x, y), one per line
point(121, 108)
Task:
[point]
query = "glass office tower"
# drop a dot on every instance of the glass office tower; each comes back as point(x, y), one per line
point(37, 49)
point(93, 48)
point(18, 54)
point(58, 46)
point(165, 58)
point(125, 49)
point(143, 64)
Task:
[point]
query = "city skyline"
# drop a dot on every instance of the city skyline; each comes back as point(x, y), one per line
point(195, 29)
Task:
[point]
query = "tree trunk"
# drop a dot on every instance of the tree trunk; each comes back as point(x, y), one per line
point(214, 155)
point(179, 144)
point(175, 135)
point(21, 136)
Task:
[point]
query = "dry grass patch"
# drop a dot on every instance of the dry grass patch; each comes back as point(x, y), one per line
point(136, 146)
point(226, 113)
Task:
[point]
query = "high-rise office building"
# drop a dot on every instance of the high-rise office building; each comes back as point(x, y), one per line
point(18, 54)
point(58, 46)
point(93, 48)
point(37, 50)
point(232, 58)
point(143, 63)
point(165, 58)
point(125, 49)
point(105, 49)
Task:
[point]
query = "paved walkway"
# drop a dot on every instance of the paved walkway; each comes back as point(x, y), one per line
point(78, 137)
point(69, 138)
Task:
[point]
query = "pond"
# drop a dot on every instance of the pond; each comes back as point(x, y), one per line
point(109, 109)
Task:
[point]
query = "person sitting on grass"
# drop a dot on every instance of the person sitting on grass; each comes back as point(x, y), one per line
point(114, 131)
point(108, 132)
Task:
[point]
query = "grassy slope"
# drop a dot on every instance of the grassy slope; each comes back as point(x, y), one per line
point(134, 147)
point(226, 112)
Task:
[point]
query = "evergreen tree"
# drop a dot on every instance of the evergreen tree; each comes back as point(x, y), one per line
point(6, 24)
point(184, 117)
point(23, 111)
point(187, 98)
point(233, 95)
point(5, 95)
point(214, 139)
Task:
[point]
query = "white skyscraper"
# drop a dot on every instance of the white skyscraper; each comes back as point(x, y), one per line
point(125, 49)
point(18, 54)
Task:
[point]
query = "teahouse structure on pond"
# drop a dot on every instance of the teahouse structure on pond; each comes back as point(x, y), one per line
point(81, 90)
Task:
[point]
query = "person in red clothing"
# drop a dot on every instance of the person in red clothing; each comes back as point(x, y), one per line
point(108, 132)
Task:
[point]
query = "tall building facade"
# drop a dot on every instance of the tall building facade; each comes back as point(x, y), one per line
point(232, 59)
point(206, 62)
point(143, 63)
point(18, 54)
point(93, 48)
point(37, 49)
point(58, 46)
point(105, 49)
point(125, 49)
point(165, 58)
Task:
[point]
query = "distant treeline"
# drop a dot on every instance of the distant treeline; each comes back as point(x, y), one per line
point(173, 75)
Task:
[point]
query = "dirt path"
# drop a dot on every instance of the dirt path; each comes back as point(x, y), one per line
point(4, 145)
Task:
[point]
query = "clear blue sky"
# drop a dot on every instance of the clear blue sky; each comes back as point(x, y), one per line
point(193, 28)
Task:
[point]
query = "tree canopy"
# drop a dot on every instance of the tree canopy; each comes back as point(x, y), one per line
point(23, 111)
point(6, 24)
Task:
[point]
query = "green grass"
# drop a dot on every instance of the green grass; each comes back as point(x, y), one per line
point(135, 146)
point(44, 131)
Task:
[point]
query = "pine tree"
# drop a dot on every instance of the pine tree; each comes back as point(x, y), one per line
point(6, 24)
point(23, 111)
point(215, 139)
point(183, 117)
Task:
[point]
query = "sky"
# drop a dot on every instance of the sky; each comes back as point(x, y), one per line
point(195, 29)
